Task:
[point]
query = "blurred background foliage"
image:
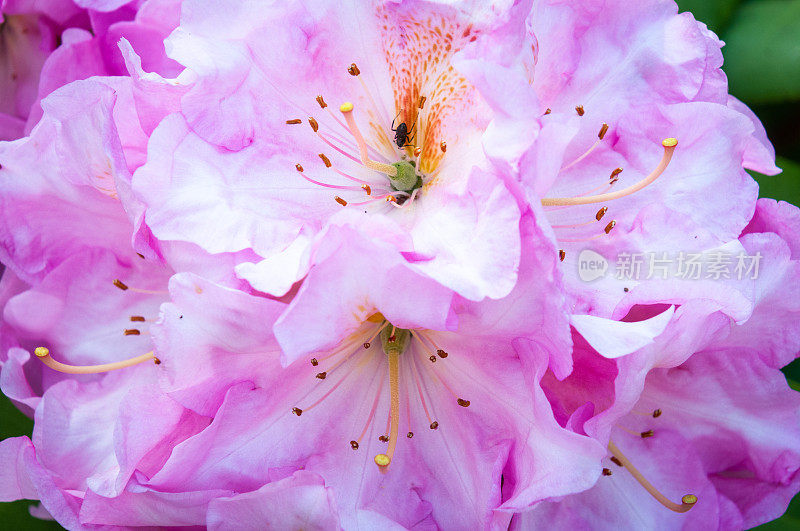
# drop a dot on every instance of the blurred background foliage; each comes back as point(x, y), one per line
point(762, 60)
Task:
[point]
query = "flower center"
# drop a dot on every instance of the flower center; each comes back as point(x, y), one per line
point(392, 152)
point(403, 351)
point(576, 227)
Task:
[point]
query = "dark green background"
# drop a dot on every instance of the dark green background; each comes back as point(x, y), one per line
point(762, 60)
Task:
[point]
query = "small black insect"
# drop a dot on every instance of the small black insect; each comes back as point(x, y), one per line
point(402, 134)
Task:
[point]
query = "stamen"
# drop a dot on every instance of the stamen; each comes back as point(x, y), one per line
point(669, 148)
point(132, 332)
point(313, 123)
point(314, 362)
point(548, 111)
point(600, 135)
point(294, 121)
point(419, 390)
point(124, 287)
point(321, 102)
point(340, 200)
point(421, 103)
point(579, 109)
point(562, 254)
point(325, 160)
point(137, 319)
point(371, 413)
point(383, 460)
point(656, 413)
point(347, 110)
point(324, 185)
point(646, 434)
point(610, 226)
point(43, 353)
point(687, 502)
point(607, 472)
point(443, 146)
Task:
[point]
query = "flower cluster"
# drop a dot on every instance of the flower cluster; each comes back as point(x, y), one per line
point(317, 265)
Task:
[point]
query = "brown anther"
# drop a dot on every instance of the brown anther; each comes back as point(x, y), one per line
point(614, 176)
point(610, 226)
point(607, 472)
point(626, 290)
point(140, 255)
point(366, 345)
point(433, 359)
point(137, 319)
point(422, 100)
point(579, 110)
point(392, 338)
point(321, 102)
point(121, 285)
point(601, 213)
point(656, 413)
point(562, 254)
point(314, 362)
point(391, 199)
point(313, 123)
point(340, 201)
point(131, 332)
point(322, 375)
point(417, 151)
point(367, 189)
point(353, 70)
point(548, 111)
point(298, 167)
point(383, 438)
point(354, 445)
point(410, 434)
point(646, 434)
point(616, 461)
point(442, 354)
point(603, 131)
point(294, 121)
point(462, 402)
point(434, 425)
point(297, 411)
point(325, 160)
point(443, 146)
point(156, 361)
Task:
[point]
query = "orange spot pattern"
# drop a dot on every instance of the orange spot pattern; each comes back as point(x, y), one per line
point(418, 49)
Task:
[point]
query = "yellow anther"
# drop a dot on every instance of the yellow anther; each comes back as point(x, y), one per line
point(669, 142)
point(382, 460)
point(348, 107)
point(41, 352)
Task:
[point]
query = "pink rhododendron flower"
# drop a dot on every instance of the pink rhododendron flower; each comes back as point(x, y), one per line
point(606, 86)
point(291, 264)
point(268, 147)
point(408, 407)
point(669, 412)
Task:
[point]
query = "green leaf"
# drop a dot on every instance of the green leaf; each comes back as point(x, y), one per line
point(789, 521)
point(715, 13)
point(762, 55)
point(785, 186)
